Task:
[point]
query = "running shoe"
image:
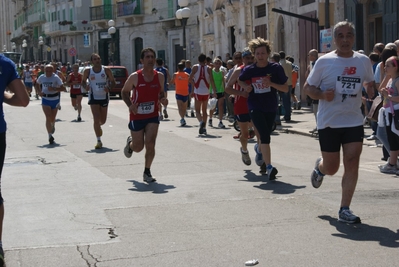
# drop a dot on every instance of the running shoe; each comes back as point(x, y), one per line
point(245, 157)
point(147, 177)
point(127, 151)
point(165, 114)
point(59, 106)
point(258, 157)
point(263, 168)
point(347, 216)
point(192, 114)
point(99, 145)
point(388, 168)
point(271, 173)
point(315, 177)
point(51, 140)
point(182, 122)
point(79, 118)
point(160, 117)
point(202, 128)
point(53, 129)
point(210, 123)
point(221, 125)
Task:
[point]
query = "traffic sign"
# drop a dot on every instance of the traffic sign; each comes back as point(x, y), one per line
point(48, 49)
point(72, 51)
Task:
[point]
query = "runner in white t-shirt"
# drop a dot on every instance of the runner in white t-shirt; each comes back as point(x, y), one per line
point(337, 80)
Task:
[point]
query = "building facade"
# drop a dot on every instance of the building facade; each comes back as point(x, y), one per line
point(73, 29)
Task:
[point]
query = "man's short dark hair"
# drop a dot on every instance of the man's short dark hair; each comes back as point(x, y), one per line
point(374, 57)
point(180, 66)
point(145, 50)
point(201, 58)
point(159, 61)
point(276, 57)
point(282, 54)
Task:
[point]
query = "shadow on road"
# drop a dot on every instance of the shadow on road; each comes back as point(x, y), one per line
point(364, 232)
point(276, 186)
point(155, 187)
point(102, 150)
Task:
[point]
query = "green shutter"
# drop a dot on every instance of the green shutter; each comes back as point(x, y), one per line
point(171, 6)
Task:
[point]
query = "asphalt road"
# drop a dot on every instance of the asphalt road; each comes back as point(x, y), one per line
point(71, 205)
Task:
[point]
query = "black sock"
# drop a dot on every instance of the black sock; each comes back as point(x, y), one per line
point(147, 170)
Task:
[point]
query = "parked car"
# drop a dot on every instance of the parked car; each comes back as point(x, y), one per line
point(120, 74)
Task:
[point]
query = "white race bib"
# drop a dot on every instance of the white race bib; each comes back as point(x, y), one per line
point(146, 108)
point(76, 86)
point(348, 85)
point(259, 86)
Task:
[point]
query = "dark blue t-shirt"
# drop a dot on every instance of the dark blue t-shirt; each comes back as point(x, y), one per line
point(165, 74)
point(8, 73)
point(261, 98)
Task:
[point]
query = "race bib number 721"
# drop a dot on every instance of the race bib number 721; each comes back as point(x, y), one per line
point(348, 85)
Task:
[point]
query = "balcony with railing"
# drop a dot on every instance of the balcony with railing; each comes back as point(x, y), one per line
point(16, 33)
point(79, 27)
point(53, 27)
point(37, 18)
point(101, 14)
point(130, 10)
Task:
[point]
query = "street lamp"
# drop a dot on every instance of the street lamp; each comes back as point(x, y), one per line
point(13, 46)
point(41, 43)
point(112, 31)
point(25, 46)
point(183, 14)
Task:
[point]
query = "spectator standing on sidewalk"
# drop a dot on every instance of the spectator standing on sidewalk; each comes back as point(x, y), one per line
point(141, 94)
point(381, 132)
point(313, 56)
point(265, 78)
point(286, 97)
point(389, 90)
point(9, 79)
point(337, 80)
point(295, 71)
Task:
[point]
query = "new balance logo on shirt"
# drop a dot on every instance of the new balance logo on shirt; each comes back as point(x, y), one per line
point(349, 71)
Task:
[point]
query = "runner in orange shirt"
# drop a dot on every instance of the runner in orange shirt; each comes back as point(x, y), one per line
point(181, 80)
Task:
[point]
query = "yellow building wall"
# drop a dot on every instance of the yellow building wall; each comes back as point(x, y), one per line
point(96, 2)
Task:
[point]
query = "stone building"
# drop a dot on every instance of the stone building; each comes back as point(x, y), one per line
point(73, 29)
